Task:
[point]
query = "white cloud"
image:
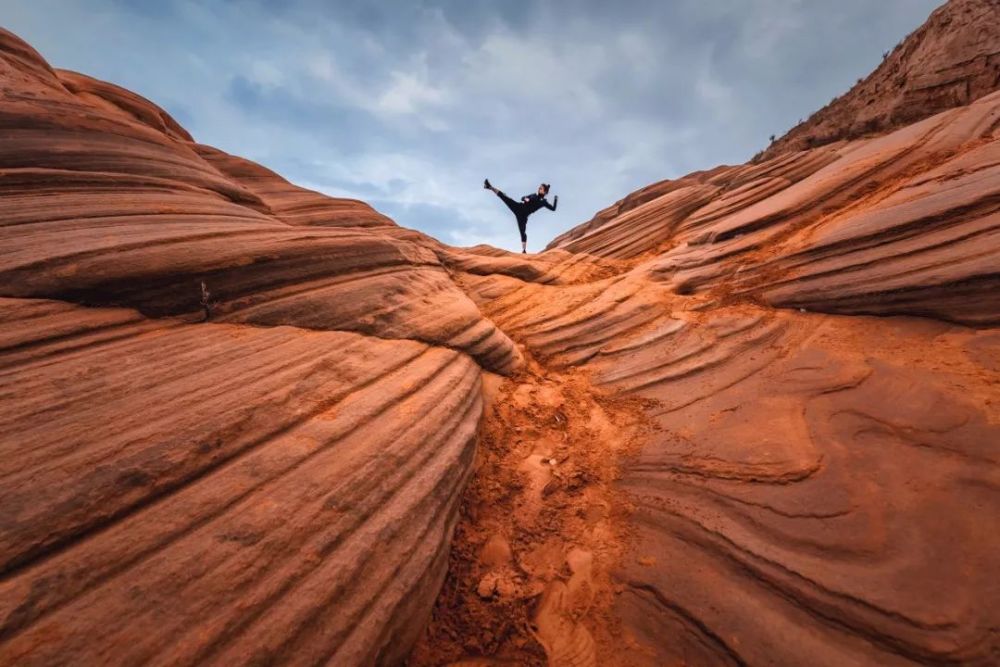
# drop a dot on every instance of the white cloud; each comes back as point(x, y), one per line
point(410, 103)
point(266, 73)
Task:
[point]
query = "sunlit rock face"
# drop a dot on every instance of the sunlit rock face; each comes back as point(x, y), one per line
point(952, 60)
point(279, 483)
point(820, 484)
point(904, 223)
point(238, 416)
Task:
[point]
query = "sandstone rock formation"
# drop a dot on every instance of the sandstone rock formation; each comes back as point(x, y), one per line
point(817, 487)
point(749, 416)
point(277, 484)
point(108, 204)
point(950, 61)
point(190, 494)
point(903, 223)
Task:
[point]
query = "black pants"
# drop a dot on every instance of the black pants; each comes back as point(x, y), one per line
point(517, 208)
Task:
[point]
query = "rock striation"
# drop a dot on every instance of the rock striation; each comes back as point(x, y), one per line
point(180, 493)
point(905, 223)
point(277, 484)
point(950, 61)
point(748, 416)
point(108, 202)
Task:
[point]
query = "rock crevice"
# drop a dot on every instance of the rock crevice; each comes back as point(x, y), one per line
point(748, 416)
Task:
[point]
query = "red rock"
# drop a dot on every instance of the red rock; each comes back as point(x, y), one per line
point(211, 492)
point(818, 487)
point(900, 224)
point(190, 492)
point(950, 61)
point(106, 201)
point(288, 202)
point(811, 484)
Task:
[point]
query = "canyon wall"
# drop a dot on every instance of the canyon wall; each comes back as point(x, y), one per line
point(952, 60)
point(749, 416)
point(278, 483)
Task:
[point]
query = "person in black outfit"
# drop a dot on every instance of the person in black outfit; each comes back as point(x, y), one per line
point(522, 209)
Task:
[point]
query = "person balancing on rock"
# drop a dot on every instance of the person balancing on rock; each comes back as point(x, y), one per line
point(528, 205)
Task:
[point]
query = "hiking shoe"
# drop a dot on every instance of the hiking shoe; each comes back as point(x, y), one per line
point(486, 184)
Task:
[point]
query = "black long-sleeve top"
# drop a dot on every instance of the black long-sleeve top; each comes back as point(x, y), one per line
point(535, 201)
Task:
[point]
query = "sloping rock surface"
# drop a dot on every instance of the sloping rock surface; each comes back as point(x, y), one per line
point(950, 61)
point(212, 493)
point(903, 223)
point(106, 201)
point(817, 488)
point(751, 415)
point(279, 484)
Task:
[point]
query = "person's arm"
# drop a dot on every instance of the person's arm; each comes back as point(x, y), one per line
point(552, 206)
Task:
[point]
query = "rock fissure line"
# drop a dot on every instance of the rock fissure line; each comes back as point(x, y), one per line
point(542, 527)
point(684, 413)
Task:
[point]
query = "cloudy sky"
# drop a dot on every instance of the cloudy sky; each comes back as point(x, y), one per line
point(409, 104)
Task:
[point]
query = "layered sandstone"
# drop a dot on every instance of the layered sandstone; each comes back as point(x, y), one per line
point(108, 202)
point(950, 61)
point(905, 223)
point(749, 416)
point(279, 483)
point(180, 493)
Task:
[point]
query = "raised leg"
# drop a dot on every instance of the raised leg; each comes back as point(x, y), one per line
point(514, 206)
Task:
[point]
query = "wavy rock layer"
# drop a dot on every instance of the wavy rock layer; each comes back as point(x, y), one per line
point(281, 483)
point(830, 486)
point(184, 494)
point(820, 486)
point(104, 200)
point(901, 224)
point(818, 489)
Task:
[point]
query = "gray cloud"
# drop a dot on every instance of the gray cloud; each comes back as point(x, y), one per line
point(409, 105)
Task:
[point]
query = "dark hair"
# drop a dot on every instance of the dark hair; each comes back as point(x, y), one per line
point(546, 186)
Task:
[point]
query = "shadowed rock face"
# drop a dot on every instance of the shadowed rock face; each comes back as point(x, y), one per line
point(281, 483)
